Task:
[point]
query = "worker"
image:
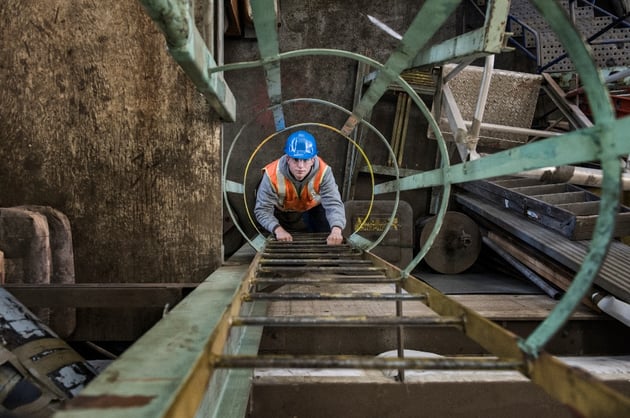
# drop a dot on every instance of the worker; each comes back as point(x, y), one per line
point(298, 193)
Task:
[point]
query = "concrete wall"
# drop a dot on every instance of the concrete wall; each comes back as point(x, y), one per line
point(99, 122)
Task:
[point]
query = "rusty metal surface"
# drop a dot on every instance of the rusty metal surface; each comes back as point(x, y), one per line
point(345, 321)
point(376, 363)
point(457, 245)
point(332, 296)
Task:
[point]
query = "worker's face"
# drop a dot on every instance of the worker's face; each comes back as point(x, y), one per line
point(300, 168)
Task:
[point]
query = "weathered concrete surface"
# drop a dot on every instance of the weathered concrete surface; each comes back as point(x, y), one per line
point(102, 125)
point(99, 122)
point(61, 320)
point(25, 239)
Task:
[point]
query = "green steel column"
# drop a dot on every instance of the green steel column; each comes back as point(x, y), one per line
point(489, 39)
point(604, 144)
point(426, 23)
point(188, 48)
point(264, 14)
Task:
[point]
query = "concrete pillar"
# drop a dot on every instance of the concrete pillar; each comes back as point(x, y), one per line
point(24, 236)
point(62, 320)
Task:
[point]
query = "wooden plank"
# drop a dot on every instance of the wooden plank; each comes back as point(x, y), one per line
point(559, 275)
point(542, 189)
point(517, 182)
point(568, 197)
point(517, 307)
point(581, 208)
point(100, 295)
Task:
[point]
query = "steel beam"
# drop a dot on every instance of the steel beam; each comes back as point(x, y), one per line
point(571, 148)
point(489, 39)
point(166, 372)
point(430, 18)
point(264, 15)
point(186, 45)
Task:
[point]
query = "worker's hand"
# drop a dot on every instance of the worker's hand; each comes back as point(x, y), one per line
point(335, 237)
point(282, 234)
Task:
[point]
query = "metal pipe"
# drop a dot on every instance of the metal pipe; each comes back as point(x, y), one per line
point(344, 321)
point(301, 254)
point(400, 333)
point(279, 269)
point(484, 89)
point(448, 77)
point(575, 175)
point(320, 244)
point(512, 129)
point(295, 296)
point(357, 362)
point(614, 307)
point(313, 262)
point(317, 280)
point(403, 135)
point(551, 291)
point(397, 125)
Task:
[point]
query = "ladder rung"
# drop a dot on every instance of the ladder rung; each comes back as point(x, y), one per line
point(362, 362)
point(333, 296)
point(284, 247)
point(335, 269)
point(318, 280)
point(344, 321)
point(313, 262)
point(310, 254)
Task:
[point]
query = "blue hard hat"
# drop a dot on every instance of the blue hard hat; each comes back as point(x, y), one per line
point(301, 145)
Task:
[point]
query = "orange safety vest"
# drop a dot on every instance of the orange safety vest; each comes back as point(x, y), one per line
point(288, 199)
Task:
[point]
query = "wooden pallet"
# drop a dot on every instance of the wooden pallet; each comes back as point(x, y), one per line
point(568, 209)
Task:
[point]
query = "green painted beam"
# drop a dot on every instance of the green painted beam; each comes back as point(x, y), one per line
point(571, 148)
point(233, 187)
point(426, 23)
point(185, 44)
point(489, 39)
point(234, 384)
point(147, 378)
point(609, 141)
point(264, 15)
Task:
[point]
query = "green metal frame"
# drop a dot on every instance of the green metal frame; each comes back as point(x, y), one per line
point(187, 47)
point(172, 381)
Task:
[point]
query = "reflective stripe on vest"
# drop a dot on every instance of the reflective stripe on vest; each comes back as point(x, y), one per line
point(288, 199)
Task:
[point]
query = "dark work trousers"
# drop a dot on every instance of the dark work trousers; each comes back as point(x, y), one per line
point(313, 220)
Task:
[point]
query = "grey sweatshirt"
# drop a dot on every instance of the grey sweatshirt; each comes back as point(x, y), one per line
point(267, 199)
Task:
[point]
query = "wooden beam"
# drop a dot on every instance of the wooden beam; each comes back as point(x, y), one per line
point(554, 273)
point(100, 295)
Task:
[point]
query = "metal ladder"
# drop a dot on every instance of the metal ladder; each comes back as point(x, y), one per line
point(308, 260)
